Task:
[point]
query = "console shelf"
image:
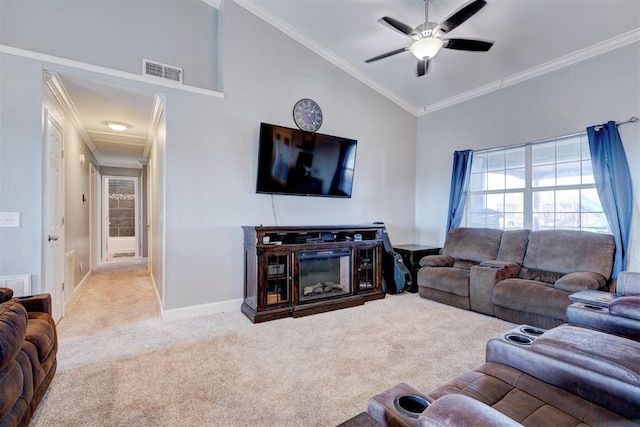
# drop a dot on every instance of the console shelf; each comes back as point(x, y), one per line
point(297, 271)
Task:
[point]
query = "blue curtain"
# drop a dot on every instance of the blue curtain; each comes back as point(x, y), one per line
point(613, 182)
point(459, 187)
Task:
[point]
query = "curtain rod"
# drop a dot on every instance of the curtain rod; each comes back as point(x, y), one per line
point(631, 120)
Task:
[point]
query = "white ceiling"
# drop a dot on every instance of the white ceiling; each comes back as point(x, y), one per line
point(97, 102)
point(531, 36)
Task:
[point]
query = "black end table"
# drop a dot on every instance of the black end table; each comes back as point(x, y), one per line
point(411, 256)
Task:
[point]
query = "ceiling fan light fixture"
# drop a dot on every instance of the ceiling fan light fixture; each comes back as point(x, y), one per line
point(426, 48)
point(118, 126)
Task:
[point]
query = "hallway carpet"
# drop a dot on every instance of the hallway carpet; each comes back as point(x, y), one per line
point(120, 365)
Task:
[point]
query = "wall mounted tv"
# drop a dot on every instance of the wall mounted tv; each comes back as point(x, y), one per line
point(291, 161)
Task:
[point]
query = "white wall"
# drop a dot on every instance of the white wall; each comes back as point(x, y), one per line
point(566, 101)
point(118, 34)
point(212, 147)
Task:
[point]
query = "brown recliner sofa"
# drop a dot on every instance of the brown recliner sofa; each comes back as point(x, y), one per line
point(521, 276)
point(28, 349)
point(566, 376)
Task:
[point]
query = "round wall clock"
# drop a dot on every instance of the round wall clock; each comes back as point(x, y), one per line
point(307, 115)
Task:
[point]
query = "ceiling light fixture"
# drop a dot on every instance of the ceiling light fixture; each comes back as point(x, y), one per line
point(426, 48)
point(118, 126)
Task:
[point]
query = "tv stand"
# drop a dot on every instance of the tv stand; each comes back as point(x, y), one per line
point(298, 271)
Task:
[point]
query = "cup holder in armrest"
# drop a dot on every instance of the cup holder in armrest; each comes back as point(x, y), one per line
point(518, 339)
point(531, 330)
point(410, 405)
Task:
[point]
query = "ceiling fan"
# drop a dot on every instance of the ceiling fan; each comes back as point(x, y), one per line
point(427, 37)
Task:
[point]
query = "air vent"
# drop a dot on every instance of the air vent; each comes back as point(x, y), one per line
point(20, 285)
point(163, 71)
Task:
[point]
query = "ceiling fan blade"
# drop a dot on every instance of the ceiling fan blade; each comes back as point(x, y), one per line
point(468, 44)
point(423, 67)
point(385, 55)
point(463, 13)
point(396, 25)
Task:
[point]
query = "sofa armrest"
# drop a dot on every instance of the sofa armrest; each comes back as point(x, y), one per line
point(626, 307)
point(580, 281)
point(482, 279)
point(436, 261)
point(461, 410)
point(40, 303)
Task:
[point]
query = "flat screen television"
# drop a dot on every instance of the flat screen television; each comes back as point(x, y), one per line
point(292, 161)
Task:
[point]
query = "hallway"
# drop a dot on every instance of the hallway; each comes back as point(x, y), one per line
point(117, 294)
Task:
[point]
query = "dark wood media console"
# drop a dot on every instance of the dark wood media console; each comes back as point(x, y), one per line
point(297, 271)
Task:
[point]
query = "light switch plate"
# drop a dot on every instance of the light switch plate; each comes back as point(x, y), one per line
point(9, 219)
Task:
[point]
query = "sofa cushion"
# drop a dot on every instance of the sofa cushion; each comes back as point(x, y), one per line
point(567, 251)
point(464, 264)
point(626, 307)
point(41, 334)
point(513, 245)
point(539, 275)
point(628, 283)
point(436, 261)
point(451, 280)
point(580, 281)
point(473, 244)
point(610, 355)
point(13, 326)
point(527, 399)
point(530, 297)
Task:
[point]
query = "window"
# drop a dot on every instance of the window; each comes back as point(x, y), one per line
point(537, 186)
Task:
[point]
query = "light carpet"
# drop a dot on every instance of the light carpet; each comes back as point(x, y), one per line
point(120, 365)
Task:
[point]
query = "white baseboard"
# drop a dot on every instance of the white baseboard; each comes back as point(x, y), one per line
point(201, 310)
point(73, 298)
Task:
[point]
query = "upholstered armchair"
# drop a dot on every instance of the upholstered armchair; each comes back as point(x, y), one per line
point(445, 278)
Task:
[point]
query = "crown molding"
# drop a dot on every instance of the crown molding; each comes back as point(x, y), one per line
point(62, 96)
point(213, 3)
point(320, 50)
point(556, 64)
point(625, 39)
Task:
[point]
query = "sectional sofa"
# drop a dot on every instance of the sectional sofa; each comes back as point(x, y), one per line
point(521, 276)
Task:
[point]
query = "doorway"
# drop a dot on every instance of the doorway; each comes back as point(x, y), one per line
point(121, 218)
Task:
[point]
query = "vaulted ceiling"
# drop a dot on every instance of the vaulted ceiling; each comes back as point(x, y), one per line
point(531, 37)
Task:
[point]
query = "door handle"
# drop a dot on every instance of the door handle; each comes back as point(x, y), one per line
point(54, 238)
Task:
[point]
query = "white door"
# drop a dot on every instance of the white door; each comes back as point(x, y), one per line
point(121, 213)
point(54, 226)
